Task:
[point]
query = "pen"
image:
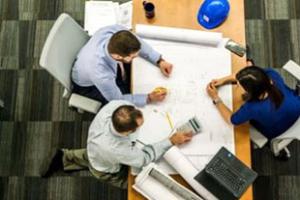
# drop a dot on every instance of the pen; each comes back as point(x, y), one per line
point(169, 120)
point(142, 143)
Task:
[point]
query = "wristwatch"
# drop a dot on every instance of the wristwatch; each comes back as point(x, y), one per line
point(217, 101)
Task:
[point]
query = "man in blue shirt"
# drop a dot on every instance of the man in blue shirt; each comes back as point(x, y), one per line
point(102, 68)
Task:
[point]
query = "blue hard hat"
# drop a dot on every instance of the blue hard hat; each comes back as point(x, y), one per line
point(212, 13)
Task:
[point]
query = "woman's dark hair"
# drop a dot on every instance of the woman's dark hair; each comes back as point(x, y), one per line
point(256, 82)
point(124, 118)
point(124, 43)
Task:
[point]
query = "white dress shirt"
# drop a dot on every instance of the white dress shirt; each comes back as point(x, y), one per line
point(107, 149)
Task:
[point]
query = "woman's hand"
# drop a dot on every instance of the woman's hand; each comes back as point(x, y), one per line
point(217, 82)
point(223, 81)
point(212, 91)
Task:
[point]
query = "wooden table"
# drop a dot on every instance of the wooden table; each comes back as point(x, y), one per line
point(183, 14)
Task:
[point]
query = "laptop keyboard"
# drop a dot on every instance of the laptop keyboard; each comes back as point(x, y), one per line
point(231, 180)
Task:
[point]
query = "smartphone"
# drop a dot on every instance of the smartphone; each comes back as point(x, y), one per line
point(192, 125)
point(235, 48)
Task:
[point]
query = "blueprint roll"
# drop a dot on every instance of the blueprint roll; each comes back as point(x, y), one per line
point(185, 168)
point(179, 35)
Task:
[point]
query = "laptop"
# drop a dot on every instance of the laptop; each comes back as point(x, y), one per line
point(226, 176)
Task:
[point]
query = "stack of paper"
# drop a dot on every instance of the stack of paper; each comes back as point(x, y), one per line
point(103, 13)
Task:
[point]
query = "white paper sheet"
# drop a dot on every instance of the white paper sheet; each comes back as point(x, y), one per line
point(125, 15)
point(194, 66)
point(156, 126)
point(179, 34)
point(99, 14)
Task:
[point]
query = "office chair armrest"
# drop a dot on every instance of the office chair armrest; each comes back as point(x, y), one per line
point(292, 68)
point(279, 144)
point(257, 138)
point(84, 103)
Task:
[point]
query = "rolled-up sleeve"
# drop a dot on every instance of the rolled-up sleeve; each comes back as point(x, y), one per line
point(148, 53)
point(141, 157)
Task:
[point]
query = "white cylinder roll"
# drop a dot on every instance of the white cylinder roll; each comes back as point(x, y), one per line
point(179, 35)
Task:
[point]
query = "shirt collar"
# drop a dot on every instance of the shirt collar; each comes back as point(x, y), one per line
point(116, 133)
point(107, 56)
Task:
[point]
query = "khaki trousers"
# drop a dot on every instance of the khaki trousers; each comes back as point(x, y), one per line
point(77, 160)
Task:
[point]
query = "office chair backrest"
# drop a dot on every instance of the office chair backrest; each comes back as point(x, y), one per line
point(293, 68)
point(63, 43)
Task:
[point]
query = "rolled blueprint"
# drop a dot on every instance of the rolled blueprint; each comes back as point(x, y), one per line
point(179, 35)
point(154, 184)
point(185, 168)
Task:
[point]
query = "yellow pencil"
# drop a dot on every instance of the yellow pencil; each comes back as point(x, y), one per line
point(169, 120)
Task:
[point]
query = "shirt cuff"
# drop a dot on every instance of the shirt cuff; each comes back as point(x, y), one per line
point(154, 57)
point(166, 144)
point(139, 100)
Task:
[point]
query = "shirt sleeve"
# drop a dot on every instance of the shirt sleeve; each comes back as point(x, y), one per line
point(141, 157)
point(148, 53)
point(243, 115)
point(109, 89)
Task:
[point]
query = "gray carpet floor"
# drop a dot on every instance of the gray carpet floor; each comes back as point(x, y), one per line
point(36, 119)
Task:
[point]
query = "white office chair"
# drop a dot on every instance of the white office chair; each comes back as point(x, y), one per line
point(63, 43)
point(281, 142)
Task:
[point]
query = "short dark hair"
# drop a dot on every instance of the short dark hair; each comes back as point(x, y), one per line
point(256, 82)
point(123, 43)
point(124, 118)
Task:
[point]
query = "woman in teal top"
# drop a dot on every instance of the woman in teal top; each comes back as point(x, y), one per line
point(270, 106)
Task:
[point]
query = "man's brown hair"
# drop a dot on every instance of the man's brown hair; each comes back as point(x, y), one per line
point(124, 118)
point(123, 43)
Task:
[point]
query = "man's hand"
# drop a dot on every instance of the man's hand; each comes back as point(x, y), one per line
point(181, 137)
point(165, 68)
point(212, 91)
point(156, 96)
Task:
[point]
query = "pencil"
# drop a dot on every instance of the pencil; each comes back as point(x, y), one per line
point(169, 120)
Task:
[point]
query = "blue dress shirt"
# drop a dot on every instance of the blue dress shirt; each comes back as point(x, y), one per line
point(95, 66)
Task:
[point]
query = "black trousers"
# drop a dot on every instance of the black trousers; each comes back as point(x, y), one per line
point(93, 92)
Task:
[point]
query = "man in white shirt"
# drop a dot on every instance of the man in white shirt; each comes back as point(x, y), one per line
point(111, 146)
